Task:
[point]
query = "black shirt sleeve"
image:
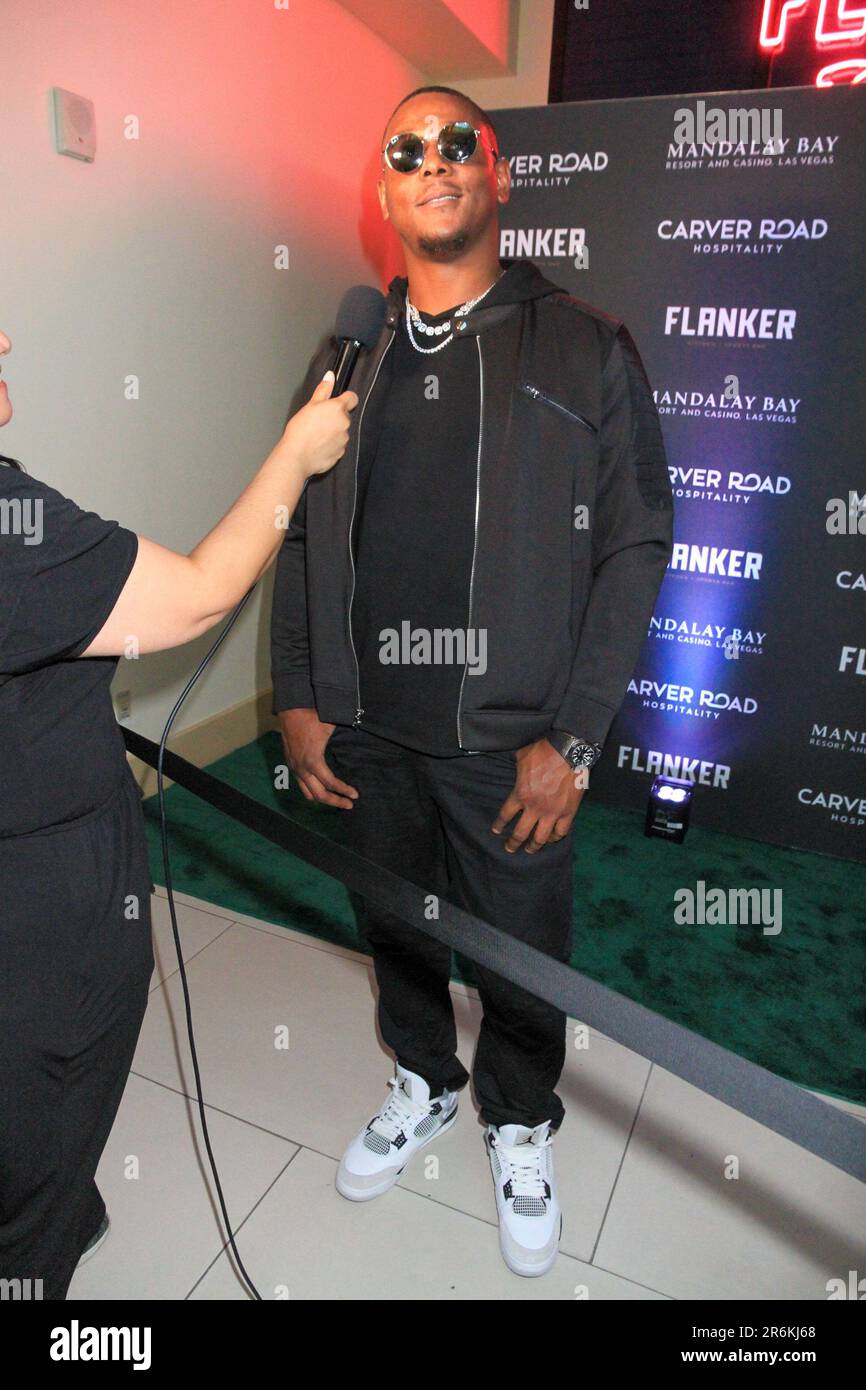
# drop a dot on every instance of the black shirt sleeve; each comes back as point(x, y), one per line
point(61, 572)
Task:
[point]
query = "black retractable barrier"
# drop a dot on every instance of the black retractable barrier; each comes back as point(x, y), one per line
point(781, 1105)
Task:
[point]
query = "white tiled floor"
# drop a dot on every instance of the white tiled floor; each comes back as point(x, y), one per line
point(641, 1158)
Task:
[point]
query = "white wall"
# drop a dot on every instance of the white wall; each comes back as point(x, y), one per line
point(157, 260)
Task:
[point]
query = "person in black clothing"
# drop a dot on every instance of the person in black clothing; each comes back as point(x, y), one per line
point(75, 941)
point(458, 608)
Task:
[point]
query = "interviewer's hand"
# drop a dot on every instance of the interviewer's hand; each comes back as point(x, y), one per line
point(319, 432)
point(305, 738)
point(546, 796)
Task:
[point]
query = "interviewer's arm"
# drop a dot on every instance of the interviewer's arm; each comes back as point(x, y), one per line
point(169, 598)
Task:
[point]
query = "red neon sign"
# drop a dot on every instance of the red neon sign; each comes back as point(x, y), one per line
point(777, 13)
point(849, 72)
point(843, 26)
point(774, 20)
point(856, 19)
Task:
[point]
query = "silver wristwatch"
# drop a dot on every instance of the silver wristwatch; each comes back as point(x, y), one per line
point(576, 751)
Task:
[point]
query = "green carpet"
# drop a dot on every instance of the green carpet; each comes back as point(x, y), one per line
point(793, 1003)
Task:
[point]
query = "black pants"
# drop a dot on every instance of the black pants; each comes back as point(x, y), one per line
point(428, 819)
point(75, 964)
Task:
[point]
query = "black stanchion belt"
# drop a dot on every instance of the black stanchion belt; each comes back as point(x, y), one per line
point(781, 1105)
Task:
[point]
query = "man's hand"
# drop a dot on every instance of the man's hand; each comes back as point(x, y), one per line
point(546, 796)
point(304, 739)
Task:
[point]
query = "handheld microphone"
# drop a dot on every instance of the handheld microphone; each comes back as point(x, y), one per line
point(359, 322)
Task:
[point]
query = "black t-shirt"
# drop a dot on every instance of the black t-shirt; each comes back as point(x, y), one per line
point(61, 572)
point(414, 539)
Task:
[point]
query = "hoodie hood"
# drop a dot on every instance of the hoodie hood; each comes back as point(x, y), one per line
point(522, 280)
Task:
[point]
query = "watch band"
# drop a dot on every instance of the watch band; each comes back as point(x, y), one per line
point(576, 751)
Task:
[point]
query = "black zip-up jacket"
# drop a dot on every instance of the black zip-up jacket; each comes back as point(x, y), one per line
point(573, 526)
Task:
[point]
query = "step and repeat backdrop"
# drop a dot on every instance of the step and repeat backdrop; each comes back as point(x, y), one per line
point(733, 248)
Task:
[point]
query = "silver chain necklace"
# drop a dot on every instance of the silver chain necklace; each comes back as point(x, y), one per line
point(437, 329)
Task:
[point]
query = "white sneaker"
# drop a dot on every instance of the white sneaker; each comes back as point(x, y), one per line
point(407, 1121)
point(530, 1217)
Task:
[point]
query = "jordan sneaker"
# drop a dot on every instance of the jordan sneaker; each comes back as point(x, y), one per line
point(407, 1121)
point(530, 1218)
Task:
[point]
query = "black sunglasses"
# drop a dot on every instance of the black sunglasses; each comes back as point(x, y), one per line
point(456, 141)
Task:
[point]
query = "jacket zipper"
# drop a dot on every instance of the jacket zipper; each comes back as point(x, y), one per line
point(475, 542)
point(572, 414)
point(358, 709)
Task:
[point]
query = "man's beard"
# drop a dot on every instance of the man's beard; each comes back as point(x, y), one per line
point(445, 248)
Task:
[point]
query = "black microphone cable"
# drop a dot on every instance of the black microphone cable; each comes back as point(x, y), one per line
point(167, 869)
point(360, 318)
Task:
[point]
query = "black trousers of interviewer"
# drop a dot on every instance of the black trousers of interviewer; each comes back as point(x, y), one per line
point(75, 964)
point(428, 819)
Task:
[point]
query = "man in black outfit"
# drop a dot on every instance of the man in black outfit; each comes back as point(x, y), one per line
point(458, 608)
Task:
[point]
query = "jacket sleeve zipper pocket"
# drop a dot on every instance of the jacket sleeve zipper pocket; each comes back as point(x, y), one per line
point(572, 414)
